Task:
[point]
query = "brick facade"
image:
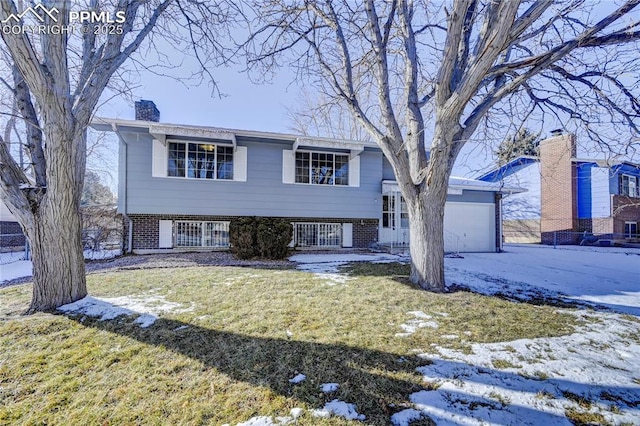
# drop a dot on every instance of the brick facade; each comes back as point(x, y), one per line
point(624, 209)
point(146, 228)
point(147, 111)
point(558, 205)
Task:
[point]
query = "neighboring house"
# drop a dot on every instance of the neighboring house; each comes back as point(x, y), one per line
point(11, 235)
point(179, 186)
point(565, 193)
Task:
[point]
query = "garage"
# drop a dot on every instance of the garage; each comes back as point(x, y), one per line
point(469, 227)
point(470, 223)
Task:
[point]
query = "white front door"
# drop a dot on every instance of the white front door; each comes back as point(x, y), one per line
point(395, 220)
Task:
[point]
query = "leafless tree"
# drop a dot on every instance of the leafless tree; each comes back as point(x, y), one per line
point(449, 68)
point(316, 114)
point(57, 78)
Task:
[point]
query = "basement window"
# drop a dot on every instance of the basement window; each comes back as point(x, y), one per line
point(317, 234)
point(201, 234)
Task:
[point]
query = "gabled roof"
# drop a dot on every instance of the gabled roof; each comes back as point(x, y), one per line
point(512, 166)
point(523, 161)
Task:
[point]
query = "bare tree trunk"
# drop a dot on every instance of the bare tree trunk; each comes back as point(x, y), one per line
point(58, 261)
point(426, 228)
point(55, 233)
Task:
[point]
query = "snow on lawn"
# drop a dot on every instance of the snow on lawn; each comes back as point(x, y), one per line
point(587, 275)
point(590, 276)
point(12, 266)
point(340, 409)
point(147, 308)
point(10, 271)
point(595, 370)
point(298, 379)
point(325, 267)
point(329, 387)
point(419, 320)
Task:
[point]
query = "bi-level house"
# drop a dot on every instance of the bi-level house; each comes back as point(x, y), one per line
point(179, 187)
point(567, 195)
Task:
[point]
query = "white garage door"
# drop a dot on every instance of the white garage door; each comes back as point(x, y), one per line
point(471, 226)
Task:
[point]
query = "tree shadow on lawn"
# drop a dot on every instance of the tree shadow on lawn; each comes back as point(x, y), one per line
point(367, 378)
point(518, 292)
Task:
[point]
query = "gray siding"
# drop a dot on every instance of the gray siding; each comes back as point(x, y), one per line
point(263, 194)
point(387, 170)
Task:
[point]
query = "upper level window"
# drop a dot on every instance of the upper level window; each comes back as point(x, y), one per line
point(200, 160)
point(322, 168)
point(629, 185)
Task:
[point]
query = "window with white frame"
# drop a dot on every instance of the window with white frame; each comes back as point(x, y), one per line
point(631, 229)
point(629, 185)
point(201, 234)
point(200, 160)
point(317, 234)
point(388, 211)
point(322, 168)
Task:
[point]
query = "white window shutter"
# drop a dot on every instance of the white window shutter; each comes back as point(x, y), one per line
point(288, 166)
point(347, 235)
point(159, 154)
point(354, 171)
point(240, 164)
point(165, 233)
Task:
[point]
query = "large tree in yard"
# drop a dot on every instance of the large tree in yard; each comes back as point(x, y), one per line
point(56, 79)
point(439, 73)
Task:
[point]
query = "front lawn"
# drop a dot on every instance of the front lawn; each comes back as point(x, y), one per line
point(229, 340)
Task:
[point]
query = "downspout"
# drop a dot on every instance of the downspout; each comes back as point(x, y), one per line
point(114, 127)
point(500, 230)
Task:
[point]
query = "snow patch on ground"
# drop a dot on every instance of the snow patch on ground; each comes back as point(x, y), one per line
point(266, 421)
point(588, 276)
point(298, 379)
point(532, 381)
point(147, 308)
point(329, 387)
point(270, 421)
point(16, 269)
point(340, 409)
point(326, 267)
point(593, 370)
point(13, 266)
point(419, 321)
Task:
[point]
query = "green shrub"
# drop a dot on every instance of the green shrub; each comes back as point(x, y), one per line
point(273, 237)
point(267, 238)
point(242, 237)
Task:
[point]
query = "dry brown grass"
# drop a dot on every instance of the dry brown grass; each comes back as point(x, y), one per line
point(235, 359)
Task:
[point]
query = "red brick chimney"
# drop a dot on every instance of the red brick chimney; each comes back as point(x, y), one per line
point(558, 209)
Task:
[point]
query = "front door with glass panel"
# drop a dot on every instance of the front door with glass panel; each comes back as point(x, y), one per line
point(395, 220)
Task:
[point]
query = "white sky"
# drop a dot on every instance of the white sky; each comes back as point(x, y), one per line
point(245, 105)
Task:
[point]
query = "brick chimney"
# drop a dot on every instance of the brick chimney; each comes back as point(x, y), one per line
point(558, 204)
point(147, 111)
